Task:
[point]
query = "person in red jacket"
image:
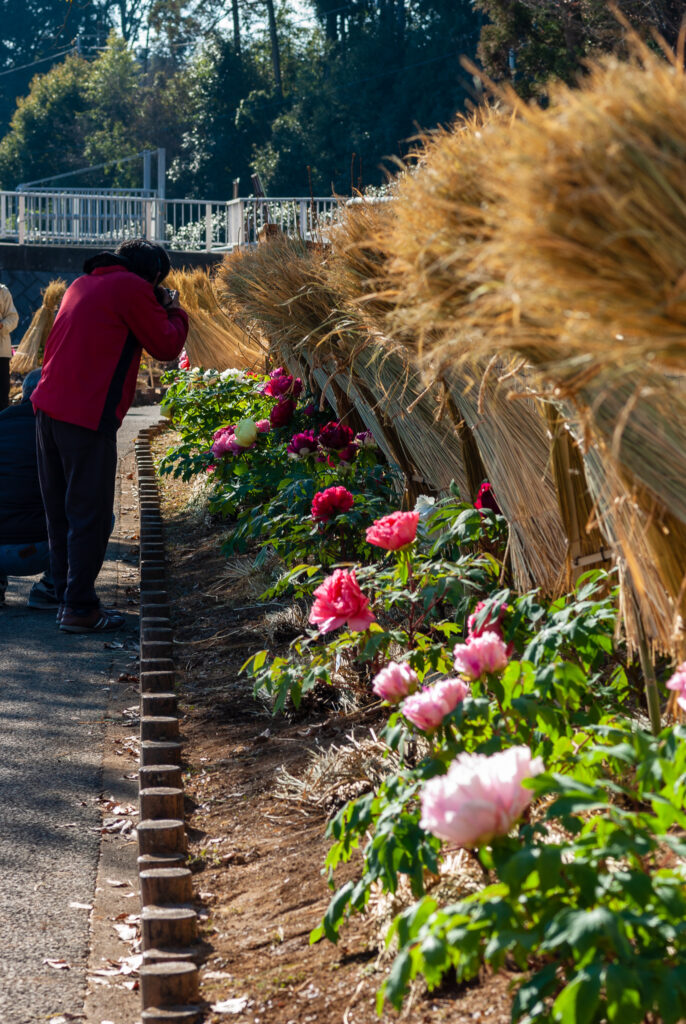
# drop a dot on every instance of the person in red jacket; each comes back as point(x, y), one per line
point(92, 355)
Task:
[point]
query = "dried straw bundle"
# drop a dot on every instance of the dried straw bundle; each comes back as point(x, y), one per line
point(215, 341)
point(29, 354)
point(509, 440)
point(592, 198)
point(646, 606)
point(593, 221)
point(443, 216)
point(357, 268)
point(287, 289)
point(514, 445)
point(279, 286)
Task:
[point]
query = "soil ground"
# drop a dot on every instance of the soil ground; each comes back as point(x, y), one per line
point(258, 846)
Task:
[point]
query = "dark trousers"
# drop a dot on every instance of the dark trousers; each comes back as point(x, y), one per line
point(77, 471)
point(4, 383)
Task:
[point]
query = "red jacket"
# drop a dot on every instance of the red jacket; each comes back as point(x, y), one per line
point(93, 351)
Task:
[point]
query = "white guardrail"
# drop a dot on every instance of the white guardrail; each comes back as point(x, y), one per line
point(84, 218)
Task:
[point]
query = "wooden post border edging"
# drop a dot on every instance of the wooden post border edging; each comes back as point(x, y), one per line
point(169, 924)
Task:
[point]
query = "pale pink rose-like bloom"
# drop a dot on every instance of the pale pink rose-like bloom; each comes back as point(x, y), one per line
point(394, 531)
point(481, 654)
point(480, 797)
point(678, 683)
point(263, 426)
point(394, 682)
point(428, 708)
point(338, 601)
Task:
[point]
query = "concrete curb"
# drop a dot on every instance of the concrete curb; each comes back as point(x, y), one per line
point(169, 925)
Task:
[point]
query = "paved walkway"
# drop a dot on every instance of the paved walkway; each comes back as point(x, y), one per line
point(54, 695)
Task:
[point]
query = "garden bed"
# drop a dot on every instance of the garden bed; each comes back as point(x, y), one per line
point(501, 822)
point(258, 859)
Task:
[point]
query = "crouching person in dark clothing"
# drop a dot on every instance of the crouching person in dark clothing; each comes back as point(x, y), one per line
point(23, 530)
point(92, 356)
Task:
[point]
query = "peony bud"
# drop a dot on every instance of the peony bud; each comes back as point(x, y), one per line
point(394, 682)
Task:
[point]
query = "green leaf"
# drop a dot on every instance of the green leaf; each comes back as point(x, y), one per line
point(395, 985)
point(578, 1001)
point(624, 1003)
point(334, 915)
point(582, 930)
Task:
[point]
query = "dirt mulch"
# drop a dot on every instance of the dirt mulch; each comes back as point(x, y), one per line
point(258, 856)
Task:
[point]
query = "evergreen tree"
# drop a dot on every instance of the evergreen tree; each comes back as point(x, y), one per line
point(532, 41)
point(33, 30)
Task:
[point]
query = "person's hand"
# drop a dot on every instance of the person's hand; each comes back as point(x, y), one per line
point(171, 300)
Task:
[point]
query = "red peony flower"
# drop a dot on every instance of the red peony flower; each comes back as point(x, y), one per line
point(184, 361)
point(302, 444)
point(278, 387)
point(282, 413)
point(394, 531)
point(486, 498)
point(340, 602)
point(335, 436)
point(331, 502)
point(348, 453)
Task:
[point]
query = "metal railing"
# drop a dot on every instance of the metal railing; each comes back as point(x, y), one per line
point(85, 218)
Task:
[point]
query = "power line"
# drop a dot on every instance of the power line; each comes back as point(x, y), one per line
point(406, 67)
point(41, 60)
point(83, 170)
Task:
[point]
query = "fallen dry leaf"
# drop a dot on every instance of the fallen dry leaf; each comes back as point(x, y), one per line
point(230, 1005)
point(58, 965)
point(81, 906)
point(126, 932)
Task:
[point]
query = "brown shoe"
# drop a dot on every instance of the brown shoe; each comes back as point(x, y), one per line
point(99, 620)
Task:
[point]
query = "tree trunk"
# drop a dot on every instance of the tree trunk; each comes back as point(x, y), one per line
point(236, 28)
point(276, 58)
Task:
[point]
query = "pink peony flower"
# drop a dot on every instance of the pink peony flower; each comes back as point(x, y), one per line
point(220, 445)
point(493, 625)
point(340, 602)
point(223, 432)
point(486, 498)
point(263, 426)
point(678, 683)
point(481, 654)
point(184, 361)
point(480, 797)
point(310, 409)
point(394, 531)
point(428, 708)
point(302, 444)
point(331, 502)
point(335, 436)
point(282, 413)
point(394, 682)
